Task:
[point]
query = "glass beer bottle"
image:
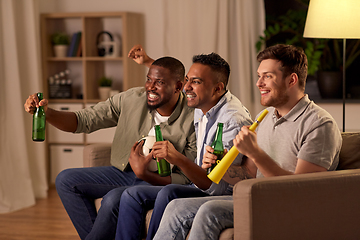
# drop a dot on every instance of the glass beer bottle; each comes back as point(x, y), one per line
point(218, 146)
point(163, 166)
point(38, 128)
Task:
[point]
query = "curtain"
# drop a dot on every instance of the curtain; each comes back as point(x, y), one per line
point(227, 27)
point(22, 162)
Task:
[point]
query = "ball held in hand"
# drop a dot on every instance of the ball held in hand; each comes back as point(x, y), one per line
point(147, 147)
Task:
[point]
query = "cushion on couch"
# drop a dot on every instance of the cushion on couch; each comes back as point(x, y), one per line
point(96, 155)
point(350, 151)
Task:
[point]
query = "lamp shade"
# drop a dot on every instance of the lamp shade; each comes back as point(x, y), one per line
point(333, 19)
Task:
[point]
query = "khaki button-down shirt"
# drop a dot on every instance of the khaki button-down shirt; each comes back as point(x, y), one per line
point(129, 113)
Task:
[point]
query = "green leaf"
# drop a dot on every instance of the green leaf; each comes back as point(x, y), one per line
point(271, 29)
point(258, 46)
point(277, 27)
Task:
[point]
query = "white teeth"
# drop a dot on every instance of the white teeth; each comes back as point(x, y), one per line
point(190, 96)
point(263, 92)
point(152, 95)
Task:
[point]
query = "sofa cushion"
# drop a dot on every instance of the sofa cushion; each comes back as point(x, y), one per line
point(227, 234)
point(350, 151)
point(96, 155)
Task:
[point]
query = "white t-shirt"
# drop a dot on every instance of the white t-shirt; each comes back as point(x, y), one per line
point(157, 119)
point(200, 140)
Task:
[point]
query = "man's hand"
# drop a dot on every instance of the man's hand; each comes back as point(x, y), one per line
point(138, 54)
point(197, 175)
point(165, 150)
point(138, 162)
point(33, 102)
point(208, 158)
point(246, 142)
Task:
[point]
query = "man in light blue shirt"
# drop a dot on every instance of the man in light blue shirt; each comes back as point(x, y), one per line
point(206, 91)
point(227, 111)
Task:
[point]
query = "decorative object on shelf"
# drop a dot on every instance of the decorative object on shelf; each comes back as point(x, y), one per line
point(334, 19)
point(75, 45)
point(60, 85)
point(60, 42)
point(104, 87)
point(106, 48)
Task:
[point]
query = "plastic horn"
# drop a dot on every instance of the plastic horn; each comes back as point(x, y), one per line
point(220, 169)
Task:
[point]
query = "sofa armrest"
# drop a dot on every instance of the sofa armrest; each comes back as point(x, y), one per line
point(308, 206)
point(96, 155)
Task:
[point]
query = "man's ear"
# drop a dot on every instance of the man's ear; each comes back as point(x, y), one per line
point(220, 86)
point(179, 86)
point(293, 79)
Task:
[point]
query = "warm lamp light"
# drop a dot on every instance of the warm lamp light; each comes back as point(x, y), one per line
point(334, 19)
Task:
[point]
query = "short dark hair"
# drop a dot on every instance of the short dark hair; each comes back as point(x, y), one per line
point(216, 63)
point(175, 66)
point(292, 59)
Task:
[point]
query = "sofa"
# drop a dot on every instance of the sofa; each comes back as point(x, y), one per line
point(323, 205)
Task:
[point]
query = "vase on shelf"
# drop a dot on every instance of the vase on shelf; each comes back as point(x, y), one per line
point(60, 50)
point(104, 92)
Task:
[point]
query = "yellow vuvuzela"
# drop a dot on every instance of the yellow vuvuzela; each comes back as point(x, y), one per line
point(218, 172)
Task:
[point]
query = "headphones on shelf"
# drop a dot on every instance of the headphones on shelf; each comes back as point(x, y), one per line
point(102, 50)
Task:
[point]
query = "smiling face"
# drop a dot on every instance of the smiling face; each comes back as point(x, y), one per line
point(162, 90)
point(201, 88)
point(272, 84)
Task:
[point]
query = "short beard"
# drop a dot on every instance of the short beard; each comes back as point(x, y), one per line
point(153, 107)
point(278, 102)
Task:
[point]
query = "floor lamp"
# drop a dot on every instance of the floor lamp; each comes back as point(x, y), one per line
point(334, 19)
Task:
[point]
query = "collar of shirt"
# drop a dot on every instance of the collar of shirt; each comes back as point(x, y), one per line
point(213, 115)
point(294, 113)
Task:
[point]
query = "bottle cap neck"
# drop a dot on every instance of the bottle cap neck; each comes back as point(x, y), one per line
point(40, 96)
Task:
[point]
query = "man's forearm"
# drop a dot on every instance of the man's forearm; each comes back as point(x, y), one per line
point(155, 179)
point(237, 173)
point(196, 174)
point(65, 121)
point(246, 170)
point(148, 62)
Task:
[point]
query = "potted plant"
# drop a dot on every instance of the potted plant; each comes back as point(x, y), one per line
point(60, 42)
point(105, 87)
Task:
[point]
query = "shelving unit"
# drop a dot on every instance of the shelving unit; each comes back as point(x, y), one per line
point(127, 30)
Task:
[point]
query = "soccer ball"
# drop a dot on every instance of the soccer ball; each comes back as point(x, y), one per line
point(147, 146)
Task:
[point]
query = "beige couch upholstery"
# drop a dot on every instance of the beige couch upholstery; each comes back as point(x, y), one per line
point(309, 206)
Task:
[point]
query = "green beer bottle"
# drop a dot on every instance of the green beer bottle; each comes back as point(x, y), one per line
point(38, 128)
point(217, 145)
point(163, 166)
